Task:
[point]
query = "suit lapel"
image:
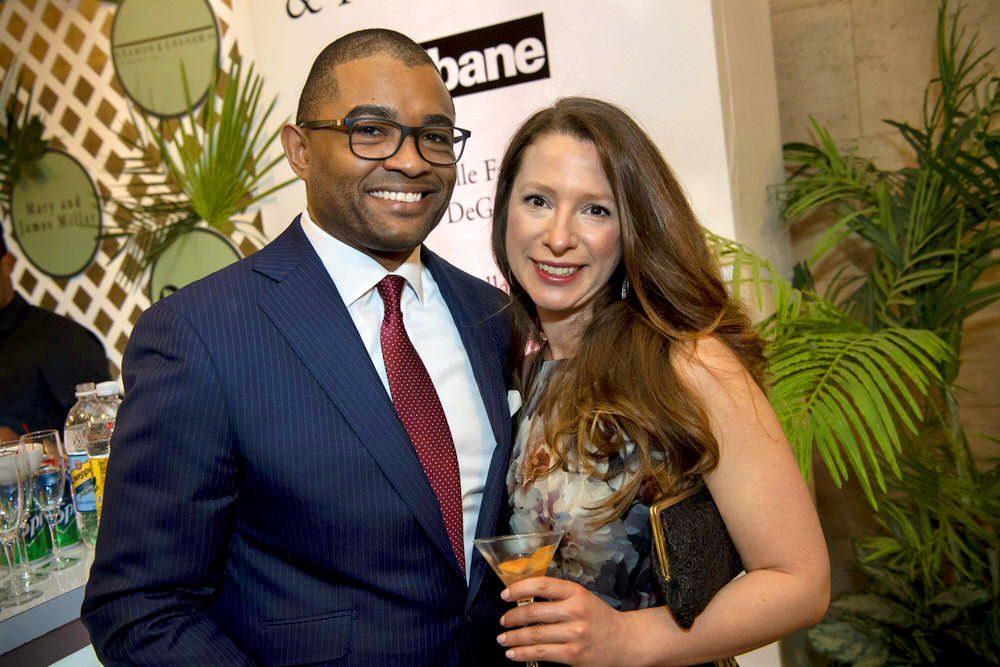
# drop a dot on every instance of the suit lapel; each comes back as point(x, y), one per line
point(306, 308)
point(487, 366)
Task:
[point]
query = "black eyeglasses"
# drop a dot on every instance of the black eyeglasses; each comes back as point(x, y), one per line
point(379, 139)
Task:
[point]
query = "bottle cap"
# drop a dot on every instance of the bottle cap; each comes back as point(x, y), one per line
point(85, 388)
point(109, 388)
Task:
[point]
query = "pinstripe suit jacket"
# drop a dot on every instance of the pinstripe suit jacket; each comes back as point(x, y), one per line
point(264, 504)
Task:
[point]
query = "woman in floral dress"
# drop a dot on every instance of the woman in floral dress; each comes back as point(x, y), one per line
point(641, 377)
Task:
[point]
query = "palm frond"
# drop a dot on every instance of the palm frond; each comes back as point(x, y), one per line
point(855, 381)
point(930, 226)
point(218, 162)
point(21, 142)
point(837, 387)
point(209, 166)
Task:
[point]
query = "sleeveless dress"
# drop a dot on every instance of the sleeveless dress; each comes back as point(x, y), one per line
point(611, 561)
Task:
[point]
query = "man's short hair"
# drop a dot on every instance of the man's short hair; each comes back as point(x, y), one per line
point(321, 84)
point(3, 244)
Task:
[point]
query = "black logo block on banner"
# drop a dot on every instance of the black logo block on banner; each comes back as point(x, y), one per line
point(492, 57)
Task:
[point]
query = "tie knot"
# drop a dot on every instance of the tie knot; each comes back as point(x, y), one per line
point(390, 289)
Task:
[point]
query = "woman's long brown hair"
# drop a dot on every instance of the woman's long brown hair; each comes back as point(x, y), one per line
point(622, 382)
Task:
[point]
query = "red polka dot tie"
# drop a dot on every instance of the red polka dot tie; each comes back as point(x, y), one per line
point(420, 410)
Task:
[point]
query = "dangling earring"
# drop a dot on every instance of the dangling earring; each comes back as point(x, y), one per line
point(624, 288)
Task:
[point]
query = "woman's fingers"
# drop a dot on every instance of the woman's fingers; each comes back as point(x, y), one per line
point(553, 643)
point(537, 612)
point(539, 587)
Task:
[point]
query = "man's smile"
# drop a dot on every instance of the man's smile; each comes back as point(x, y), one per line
point(397, 196)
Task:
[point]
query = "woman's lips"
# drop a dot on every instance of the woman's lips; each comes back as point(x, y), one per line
point(556, 273)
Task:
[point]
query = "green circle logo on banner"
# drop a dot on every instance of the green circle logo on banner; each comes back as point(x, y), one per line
point(192, 256)
point(153, 41)
point(57, 216)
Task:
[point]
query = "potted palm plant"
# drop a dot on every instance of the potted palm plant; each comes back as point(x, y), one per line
point(932, 231)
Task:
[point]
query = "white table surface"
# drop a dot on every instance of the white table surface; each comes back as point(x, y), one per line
point(62, 595)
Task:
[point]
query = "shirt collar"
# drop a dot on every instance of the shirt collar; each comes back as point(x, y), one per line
point(353, 272)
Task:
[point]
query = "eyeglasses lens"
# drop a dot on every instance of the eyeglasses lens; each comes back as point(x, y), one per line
point(378, 140)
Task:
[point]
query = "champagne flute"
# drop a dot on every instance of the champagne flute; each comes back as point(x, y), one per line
point(49, 485)
point(12, 496)
point(517, 557)
point(27, 461)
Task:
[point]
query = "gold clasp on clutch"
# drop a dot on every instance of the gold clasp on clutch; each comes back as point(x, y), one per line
point(654, 517)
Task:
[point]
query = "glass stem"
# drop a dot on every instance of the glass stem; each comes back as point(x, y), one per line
point(10, 551)
point(23, 570)
point(521, 603)
point(50, 520)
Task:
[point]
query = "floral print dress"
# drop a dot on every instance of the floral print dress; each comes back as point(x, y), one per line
point(611, 561)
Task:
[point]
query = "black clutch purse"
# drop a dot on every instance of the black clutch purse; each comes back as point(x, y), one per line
point(693, 555)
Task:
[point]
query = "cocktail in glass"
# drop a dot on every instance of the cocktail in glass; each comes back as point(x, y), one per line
point(518, 557)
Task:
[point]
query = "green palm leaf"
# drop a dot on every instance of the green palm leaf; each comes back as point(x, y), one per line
point(21, 142)
point(209, 166)
point(837, 387)
point(218, 162)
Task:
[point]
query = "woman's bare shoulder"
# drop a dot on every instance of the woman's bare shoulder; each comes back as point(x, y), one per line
point(707, 362)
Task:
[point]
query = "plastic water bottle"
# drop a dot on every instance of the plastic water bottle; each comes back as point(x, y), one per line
point(80, 473)
point(99, 431)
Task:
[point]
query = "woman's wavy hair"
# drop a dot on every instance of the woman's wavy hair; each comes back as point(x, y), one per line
point(622, 384)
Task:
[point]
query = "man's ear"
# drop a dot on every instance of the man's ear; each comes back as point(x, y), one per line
point(295, 143)
point(7, 264)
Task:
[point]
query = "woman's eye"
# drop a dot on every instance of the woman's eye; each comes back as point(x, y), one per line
point(535, 200)
point(594, 209)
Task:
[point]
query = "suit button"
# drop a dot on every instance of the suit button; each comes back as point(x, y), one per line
point(470, 618)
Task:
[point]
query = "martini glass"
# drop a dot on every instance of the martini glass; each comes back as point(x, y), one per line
point(517, 557)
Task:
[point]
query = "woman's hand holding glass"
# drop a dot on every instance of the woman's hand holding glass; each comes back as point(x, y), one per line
point(573, 627)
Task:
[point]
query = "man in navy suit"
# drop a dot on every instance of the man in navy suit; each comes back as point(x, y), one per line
point(264, 502)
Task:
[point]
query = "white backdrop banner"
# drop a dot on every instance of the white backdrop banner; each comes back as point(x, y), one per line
point(503, 60)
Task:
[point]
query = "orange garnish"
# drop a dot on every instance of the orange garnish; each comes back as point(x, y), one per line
point(516, 566)
point(540, 559)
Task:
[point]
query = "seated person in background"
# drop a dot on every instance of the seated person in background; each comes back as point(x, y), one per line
point(642, 376)
point(43, 356)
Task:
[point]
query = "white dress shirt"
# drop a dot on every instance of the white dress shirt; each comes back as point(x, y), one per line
point(435, 337)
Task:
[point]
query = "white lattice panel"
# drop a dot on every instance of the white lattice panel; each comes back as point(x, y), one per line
point(64, 47)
